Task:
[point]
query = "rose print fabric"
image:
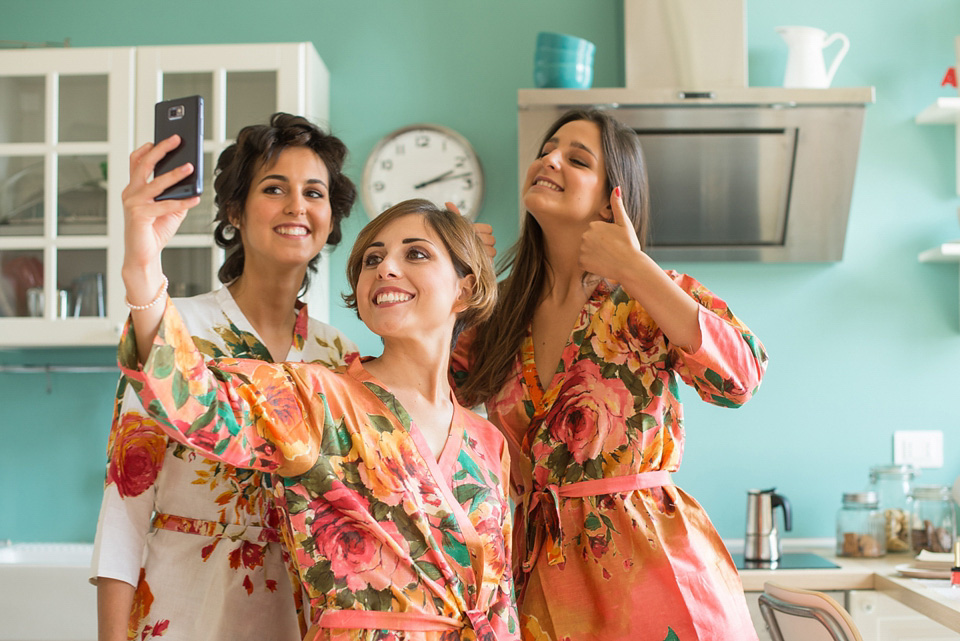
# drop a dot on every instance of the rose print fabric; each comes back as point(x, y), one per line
point(607, 547)
point(199, 539)
point(390, 543)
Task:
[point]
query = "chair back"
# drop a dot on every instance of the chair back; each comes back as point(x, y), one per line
point(792, 614)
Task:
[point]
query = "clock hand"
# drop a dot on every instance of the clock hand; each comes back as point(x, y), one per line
point(443, 177)
point(433, 180)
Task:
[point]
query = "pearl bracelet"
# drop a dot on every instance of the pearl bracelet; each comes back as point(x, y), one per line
point(160, 297)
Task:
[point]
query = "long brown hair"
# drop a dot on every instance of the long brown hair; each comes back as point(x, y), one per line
point(498, 341)
point(257, 146)
point(464, 246)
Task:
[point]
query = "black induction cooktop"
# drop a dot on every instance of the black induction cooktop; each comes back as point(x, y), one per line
point(788, 561)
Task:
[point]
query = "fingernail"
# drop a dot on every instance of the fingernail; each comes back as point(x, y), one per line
point(617, 191)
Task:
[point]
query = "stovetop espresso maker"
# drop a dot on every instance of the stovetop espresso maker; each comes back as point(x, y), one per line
point(762, 542)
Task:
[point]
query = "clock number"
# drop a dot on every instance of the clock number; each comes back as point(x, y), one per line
point(386, 164)
point(378, 186)
point(467, 182)
point(422, 140)
point(461, 161)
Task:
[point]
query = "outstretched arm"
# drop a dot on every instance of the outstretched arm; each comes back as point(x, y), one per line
point(149, 225)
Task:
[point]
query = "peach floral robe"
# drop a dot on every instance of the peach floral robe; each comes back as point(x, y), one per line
point(176, 524)
point(390, 543)
point(608, 548)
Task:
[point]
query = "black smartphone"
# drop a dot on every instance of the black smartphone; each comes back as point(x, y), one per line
point(184, 117)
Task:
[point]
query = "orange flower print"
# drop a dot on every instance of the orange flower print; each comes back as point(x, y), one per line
point(138, 448)
point(388, 475)
point(615, 338)
point(142, 602)
point(589, 411)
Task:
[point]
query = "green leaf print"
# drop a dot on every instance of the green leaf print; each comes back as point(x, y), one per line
point(162, 361)
point(456, 549)
point(593, 469)
point(295, 502)
point(336, 439)
point(203, 420)
point(714, 379)
point(181, 390)
point(207, 348)
point(380, 510)
point(469, 466)
point(470, 492)
point(379, 600)
point(573, 474)
point(380, 423)
point(410, 532)
point(671, 635)
point(724, 402)
point(429, 569)
point(592, 522)
point(559, 458)
point(320, 576)
point(156, 409)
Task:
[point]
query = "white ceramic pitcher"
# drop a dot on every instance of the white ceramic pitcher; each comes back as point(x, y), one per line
point(805, 63)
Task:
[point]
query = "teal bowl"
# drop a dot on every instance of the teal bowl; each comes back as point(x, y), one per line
point(562, 75)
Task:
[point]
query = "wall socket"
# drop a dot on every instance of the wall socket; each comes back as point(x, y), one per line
point(921, 448)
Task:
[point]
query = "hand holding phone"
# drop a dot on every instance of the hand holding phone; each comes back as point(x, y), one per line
point(184, 117)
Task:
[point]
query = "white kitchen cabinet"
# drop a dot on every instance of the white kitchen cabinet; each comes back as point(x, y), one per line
point(881, 618)
point(69, 119)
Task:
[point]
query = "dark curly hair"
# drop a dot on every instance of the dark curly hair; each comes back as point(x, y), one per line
point(259, 145)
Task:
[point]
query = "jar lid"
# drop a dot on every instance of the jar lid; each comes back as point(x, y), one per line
point(908, 471)
point(860, 498)
point(930, 492)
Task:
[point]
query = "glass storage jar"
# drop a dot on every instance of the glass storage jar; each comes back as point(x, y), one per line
point(861, 527)
point(932, 520)
point(893, 484)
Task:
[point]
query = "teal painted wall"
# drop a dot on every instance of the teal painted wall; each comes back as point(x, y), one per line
point(858, 348)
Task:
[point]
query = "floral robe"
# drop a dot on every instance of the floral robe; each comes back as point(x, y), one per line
point(200, 539)
point(390, 542)
point(607, 547)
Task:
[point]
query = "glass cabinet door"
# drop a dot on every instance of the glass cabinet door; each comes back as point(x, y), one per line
point(65, 122)
point(240, 85)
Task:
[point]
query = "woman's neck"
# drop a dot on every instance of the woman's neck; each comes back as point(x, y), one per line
point(414, 367)
point(268, 302)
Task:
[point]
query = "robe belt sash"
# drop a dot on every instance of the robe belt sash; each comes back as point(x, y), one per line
point(407, 621)
point(232, 531)
point(540, 512)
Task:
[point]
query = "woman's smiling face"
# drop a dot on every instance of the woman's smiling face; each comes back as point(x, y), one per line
point(287, 216)
point(407, 284)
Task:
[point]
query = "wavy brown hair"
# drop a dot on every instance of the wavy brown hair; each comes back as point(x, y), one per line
point(258, 146)
point(494, 352)
point(464, 246)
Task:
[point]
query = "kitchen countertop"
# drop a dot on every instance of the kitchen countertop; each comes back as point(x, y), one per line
point(934, 599)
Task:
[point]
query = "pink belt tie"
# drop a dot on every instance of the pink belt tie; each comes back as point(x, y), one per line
point(541, 510)
point(412, 621)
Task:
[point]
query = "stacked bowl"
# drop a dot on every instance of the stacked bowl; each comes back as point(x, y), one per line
point(563, 61)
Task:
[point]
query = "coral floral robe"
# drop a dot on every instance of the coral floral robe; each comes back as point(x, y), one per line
point(176, 524)
point(390, 542)
point(608, 548)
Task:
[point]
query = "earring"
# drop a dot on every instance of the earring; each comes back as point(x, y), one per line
point(229, 231)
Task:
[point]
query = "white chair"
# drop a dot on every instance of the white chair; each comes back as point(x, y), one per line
point(792, 614)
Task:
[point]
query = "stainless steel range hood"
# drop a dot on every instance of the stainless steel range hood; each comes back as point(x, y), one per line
point(736, 173)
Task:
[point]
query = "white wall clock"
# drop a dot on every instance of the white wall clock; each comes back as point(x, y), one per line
point(423, 161)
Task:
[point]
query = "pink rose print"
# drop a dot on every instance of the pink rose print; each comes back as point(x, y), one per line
point(138, 448)
point(358, 553)
point(589, 411)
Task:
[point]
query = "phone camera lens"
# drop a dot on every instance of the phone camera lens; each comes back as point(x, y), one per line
point(175, 113)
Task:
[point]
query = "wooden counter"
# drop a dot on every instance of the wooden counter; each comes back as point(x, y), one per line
point(931, 598)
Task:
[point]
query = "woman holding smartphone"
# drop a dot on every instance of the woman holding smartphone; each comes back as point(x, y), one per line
point(188, 547)
point(394, 495)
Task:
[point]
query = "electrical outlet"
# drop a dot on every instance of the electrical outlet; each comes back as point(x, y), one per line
point(922, 448)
